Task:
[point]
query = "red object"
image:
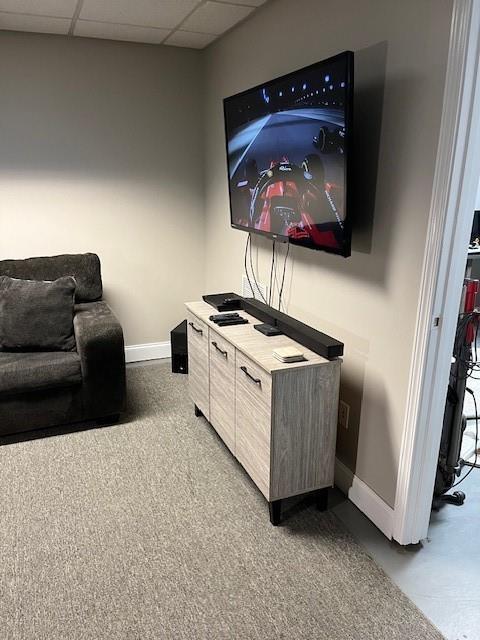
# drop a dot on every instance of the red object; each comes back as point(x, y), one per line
point(306, 229)
point(471, 290)
point(470, 294)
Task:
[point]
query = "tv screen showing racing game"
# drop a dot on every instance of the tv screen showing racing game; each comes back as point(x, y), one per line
point(288, 148)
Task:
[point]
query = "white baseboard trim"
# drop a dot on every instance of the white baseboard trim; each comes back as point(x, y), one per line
point(343, 476)
point(369, 503)
point(151, 351)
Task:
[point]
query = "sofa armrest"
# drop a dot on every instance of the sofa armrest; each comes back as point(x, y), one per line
point(100, 345)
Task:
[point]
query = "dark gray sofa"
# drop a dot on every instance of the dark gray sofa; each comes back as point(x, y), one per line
point(45, 389)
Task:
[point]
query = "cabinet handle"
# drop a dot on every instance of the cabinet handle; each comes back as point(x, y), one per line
point(249, 375)
point(195, 328)
point(224, 353)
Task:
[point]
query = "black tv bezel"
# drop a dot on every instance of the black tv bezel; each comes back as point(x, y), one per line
point(345, 251)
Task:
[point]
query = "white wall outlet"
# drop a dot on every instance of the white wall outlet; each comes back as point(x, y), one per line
point(343, 414)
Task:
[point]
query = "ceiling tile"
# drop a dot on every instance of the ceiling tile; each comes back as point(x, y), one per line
point(125, 32)
point(57, 8)
point(248, 3)
point(215, 17)
point(189, 39)
point(38, 24)
point(148, 13)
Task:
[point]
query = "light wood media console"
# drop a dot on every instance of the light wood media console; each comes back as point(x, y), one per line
point(279, 420)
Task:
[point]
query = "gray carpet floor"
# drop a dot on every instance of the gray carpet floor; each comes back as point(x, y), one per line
point(149, 529)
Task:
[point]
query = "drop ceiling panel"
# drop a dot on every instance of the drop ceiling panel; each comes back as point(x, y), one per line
point(215, 17)
point(56, 8)
point(189, 39)
point(124, 32)
point(146, 13)
point(180, 23)
point(37, 24)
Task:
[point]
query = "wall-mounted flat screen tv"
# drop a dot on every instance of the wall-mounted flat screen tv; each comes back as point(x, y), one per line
point(289, 150)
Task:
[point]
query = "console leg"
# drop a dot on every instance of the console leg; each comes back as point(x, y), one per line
point(275, 509)
point(198, 413)
point(322, 499)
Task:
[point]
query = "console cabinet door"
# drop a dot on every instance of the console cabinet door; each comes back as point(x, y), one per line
point(253, 398)
point(198, 366)
point(222, 389)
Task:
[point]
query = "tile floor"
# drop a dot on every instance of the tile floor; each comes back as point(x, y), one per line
point(442, 575)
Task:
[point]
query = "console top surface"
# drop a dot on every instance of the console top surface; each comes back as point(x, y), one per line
point(254, 344)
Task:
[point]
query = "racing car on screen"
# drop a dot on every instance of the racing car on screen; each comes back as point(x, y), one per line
point(293, 201)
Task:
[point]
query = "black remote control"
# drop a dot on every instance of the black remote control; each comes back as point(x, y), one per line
point(232, 321)
point(223, 316)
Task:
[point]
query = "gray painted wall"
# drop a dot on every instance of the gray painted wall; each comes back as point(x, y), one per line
point(101, 150)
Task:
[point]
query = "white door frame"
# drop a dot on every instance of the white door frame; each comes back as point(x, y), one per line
point(456, 179)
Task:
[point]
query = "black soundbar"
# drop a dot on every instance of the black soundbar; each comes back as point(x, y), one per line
point(316, 341)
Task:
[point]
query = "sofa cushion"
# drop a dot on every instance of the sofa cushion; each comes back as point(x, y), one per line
point(25, 372)
point(85, 268)
point(36, 316)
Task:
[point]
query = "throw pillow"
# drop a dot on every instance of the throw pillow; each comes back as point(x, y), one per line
point(36, 315)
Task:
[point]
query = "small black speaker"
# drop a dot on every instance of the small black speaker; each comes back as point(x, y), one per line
point(178, 339)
